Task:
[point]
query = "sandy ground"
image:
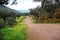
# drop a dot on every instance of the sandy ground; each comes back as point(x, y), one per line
point(42, 31)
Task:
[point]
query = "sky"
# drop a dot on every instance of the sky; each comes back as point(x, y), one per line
point(24, 4)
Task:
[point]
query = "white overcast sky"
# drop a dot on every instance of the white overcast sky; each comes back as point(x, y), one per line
point(24, 4)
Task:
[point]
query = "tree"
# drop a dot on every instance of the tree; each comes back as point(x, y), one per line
point(34, 12)
point(5, 2)
point(57, 1)
point(42, 2)
point(37, 0)
point(48, 7)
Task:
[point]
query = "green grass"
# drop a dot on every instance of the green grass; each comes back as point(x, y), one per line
point(35, 21)
point(42, 22)
point(20, 19)
point(18, 32)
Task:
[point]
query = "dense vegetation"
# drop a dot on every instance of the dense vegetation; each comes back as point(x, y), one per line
point(49, 13)
point(18, 32)
point(11, 25)
point(6, 2)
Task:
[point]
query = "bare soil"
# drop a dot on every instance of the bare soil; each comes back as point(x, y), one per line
point(42, 31)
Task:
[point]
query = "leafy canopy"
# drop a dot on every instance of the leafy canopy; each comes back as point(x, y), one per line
point(5, 2)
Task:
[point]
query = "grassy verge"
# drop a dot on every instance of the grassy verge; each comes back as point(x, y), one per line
point(43, 22)
point(34, 21)
point(18, 32)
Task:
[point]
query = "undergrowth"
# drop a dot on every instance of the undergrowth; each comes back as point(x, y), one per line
point(18, 32)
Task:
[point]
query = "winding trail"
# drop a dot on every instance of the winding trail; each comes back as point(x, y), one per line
point(42, 31)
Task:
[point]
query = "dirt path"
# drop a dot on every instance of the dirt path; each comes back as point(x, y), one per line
point(42, 31)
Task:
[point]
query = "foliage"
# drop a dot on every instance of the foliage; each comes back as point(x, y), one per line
point(57, 13)
point(1, 23)
point(10, 21)
point(18, 32)
point(5, 2)
point(8, 15)
point(20, 19)
point(25, 14)
point(1, 20)
point(37, 0)
point(49, 13)
point(34, 12)
point(2, 2)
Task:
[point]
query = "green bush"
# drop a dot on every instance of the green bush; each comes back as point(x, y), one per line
point(1, 23)
point(20, 19)
point(10, 21)
point(18, 32)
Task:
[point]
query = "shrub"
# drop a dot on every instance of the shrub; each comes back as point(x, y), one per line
point(1, 36)
point(1, 23)
point(10, 21)
point(18, 32)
